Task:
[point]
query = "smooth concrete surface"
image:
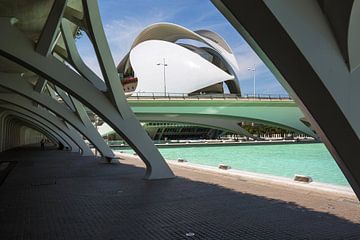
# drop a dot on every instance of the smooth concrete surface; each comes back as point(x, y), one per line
point(61, 195)
point(46, 69)
point(309, 47)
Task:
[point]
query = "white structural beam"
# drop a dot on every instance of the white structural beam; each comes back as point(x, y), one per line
point(304, 48)
point(97, 36)
point(354, 37)
point(110, 106)
point(15, 83)
point(40, 85)
point(63, 96)
point(76, 60)
point(50, 31)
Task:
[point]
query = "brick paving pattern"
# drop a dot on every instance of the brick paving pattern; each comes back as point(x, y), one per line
point(59, 195)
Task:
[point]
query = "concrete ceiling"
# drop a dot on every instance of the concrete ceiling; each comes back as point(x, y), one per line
point(30, 17)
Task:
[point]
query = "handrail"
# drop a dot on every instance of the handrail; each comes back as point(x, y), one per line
point(214, 96)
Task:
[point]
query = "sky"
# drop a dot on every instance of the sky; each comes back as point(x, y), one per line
point(123, 20)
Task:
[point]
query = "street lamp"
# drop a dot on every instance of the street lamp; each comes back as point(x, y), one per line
point(164, 64)
point(254, 76)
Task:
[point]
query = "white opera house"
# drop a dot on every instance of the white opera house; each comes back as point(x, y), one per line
point(168, 59)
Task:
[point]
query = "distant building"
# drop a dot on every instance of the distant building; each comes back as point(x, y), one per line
point(169, 58)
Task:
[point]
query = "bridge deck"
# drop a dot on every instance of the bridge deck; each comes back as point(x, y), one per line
point(59, 195)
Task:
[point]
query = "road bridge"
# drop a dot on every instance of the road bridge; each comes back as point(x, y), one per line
point(227, 112)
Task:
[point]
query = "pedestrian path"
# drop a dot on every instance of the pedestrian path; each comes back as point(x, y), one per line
point(59, 195)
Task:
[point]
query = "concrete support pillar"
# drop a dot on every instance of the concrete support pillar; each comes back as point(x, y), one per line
point(312, 48)
point(105, 99)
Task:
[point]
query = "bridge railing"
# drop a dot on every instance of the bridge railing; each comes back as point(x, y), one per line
point(214, 96)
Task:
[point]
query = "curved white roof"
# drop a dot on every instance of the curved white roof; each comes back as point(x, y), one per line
point(215, 38)
point(171, 33)
point(186, 71)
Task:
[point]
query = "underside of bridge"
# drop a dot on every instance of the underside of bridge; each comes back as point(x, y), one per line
point(45, 86)
point(47, 92)
point(228, 115)
point(312, 47)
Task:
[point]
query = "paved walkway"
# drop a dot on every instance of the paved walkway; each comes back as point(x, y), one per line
point(59, 195)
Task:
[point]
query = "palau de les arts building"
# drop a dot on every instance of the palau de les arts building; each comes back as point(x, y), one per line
point(190, 69)
point(196, 62)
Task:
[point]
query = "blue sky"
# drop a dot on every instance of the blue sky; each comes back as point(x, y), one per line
point(123, 21)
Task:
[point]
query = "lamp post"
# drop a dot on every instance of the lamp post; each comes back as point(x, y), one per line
point(164, 64)
point(254, 77)
point(96, 123)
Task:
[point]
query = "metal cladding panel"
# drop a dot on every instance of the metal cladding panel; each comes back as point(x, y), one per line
point(186, 71)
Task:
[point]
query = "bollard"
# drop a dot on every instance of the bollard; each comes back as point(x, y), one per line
point(301, 178)
point(224, 167)
point(181, 160)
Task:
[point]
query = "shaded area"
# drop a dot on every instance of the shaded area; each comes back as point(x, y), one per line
point(5, 169)
point(59, 195)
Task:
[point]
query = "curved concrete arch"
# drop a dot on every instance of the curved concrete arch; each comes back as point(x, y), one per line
point(321, 82)
point(222, 115)
point(3, 130)
point(230, 123)
point(44, 131)
point(38, 126)
point(4, 137)
point(37, 121)
point(6, 131)
point(353, 37)
point(30, 135)
point(9, 134)
point(14, 83)
point(23, 121)
point(27, 135)
point(217, 122)
point(284, 114)
point(111, 106)
point(20, 105)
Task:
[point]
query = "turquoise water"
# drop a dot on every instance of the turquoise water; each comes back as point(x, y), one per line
point(284, 160)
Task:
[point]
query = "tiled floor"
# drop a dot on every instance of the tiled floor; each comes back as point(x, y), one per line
point(59, 195)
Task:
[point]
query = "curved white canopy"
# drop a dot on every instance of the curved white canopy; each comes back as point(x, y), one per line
point(171, 33)
point(185, 72)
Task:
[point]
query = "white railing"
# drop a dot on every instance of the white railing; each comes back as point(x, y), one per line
point(214, 96)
